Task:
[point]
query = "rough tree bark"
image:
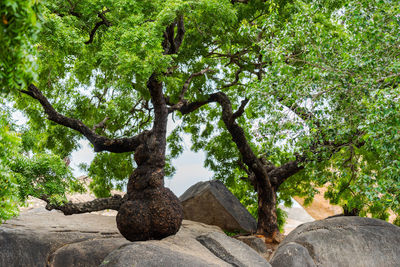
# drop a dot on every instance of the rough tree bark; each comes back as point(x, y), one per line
point(151, 210)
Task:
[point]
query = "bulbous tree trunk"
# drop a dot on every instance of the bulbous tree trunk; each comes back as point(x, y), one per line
point(151, 211)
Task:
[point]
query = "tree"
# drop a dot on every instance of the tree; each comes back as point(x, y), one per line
point(322, 88)
point(113, 71)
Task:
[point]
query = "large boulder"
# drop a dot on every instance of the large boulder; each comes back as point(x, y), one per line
point(43, 238)
point(341, 241)
point(212, 203)
point(259, 245)
point(231, 250)
point(195, 244)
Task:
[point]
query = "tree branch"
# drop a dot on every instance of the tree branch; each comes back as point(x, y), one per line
point(240, 111)
point(187, 82)
point(100, 143)
point(112, 203)
point(101, 124)
point(103, 21)
point(171, 42)
point(279, 174)
point(185, 87)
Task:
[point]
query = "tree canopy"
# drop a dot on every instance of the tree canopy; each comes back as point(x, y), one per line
point(284, 96)
point(327, 101)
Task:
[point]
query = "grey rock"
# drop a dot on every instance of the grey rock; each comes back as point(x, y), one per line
point(212, 203)
point(259, 245)
point(50, 238)
point(231, 250)
point(86, 253)
point(341, 241)
point(254, 242)
point(294, 255)
point(151, 255)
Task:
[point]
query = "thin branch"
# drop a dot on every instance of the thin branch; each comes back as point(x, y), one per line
point(101, 124)
point(388, 77)
point(279, 174)
point(234, 82)
point(188, 81)
point(240, 111)
point(103, 21)
point(181, 102)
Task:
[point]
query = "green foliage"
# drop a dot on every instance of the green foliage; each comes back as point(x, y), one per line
point(108, 171)
point(8, 185)
point(23, 174)
point(18, 31)
point(43, 175)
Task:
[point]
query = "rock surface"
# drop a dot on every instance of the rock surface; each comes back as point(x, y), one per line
point(231, 250)
point(212, 203)
point(184, 249)
point(44, 238)
point(258, 244)
point(341, 241)
point(50, 238)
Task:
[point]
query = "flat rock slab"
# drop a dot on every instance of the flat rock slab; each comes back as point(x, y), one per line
point(341, 241)
point(212, 203)
point(43, 238)
point(52, 239)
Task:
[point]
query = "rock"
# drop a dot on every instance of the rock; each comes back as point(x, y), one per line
point(258, 245)
point(184, 249)
point(296, 215)
point(86, 253)
point(341, 241)
point(294, 255)
point(44, 238)
point(52, 239)
point(212, 203)
point(231, 250)
point(151, 254)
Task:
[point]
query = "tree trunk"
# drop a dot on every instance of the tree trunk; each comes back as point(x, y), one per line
point(267, 218)
point(151, 210)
